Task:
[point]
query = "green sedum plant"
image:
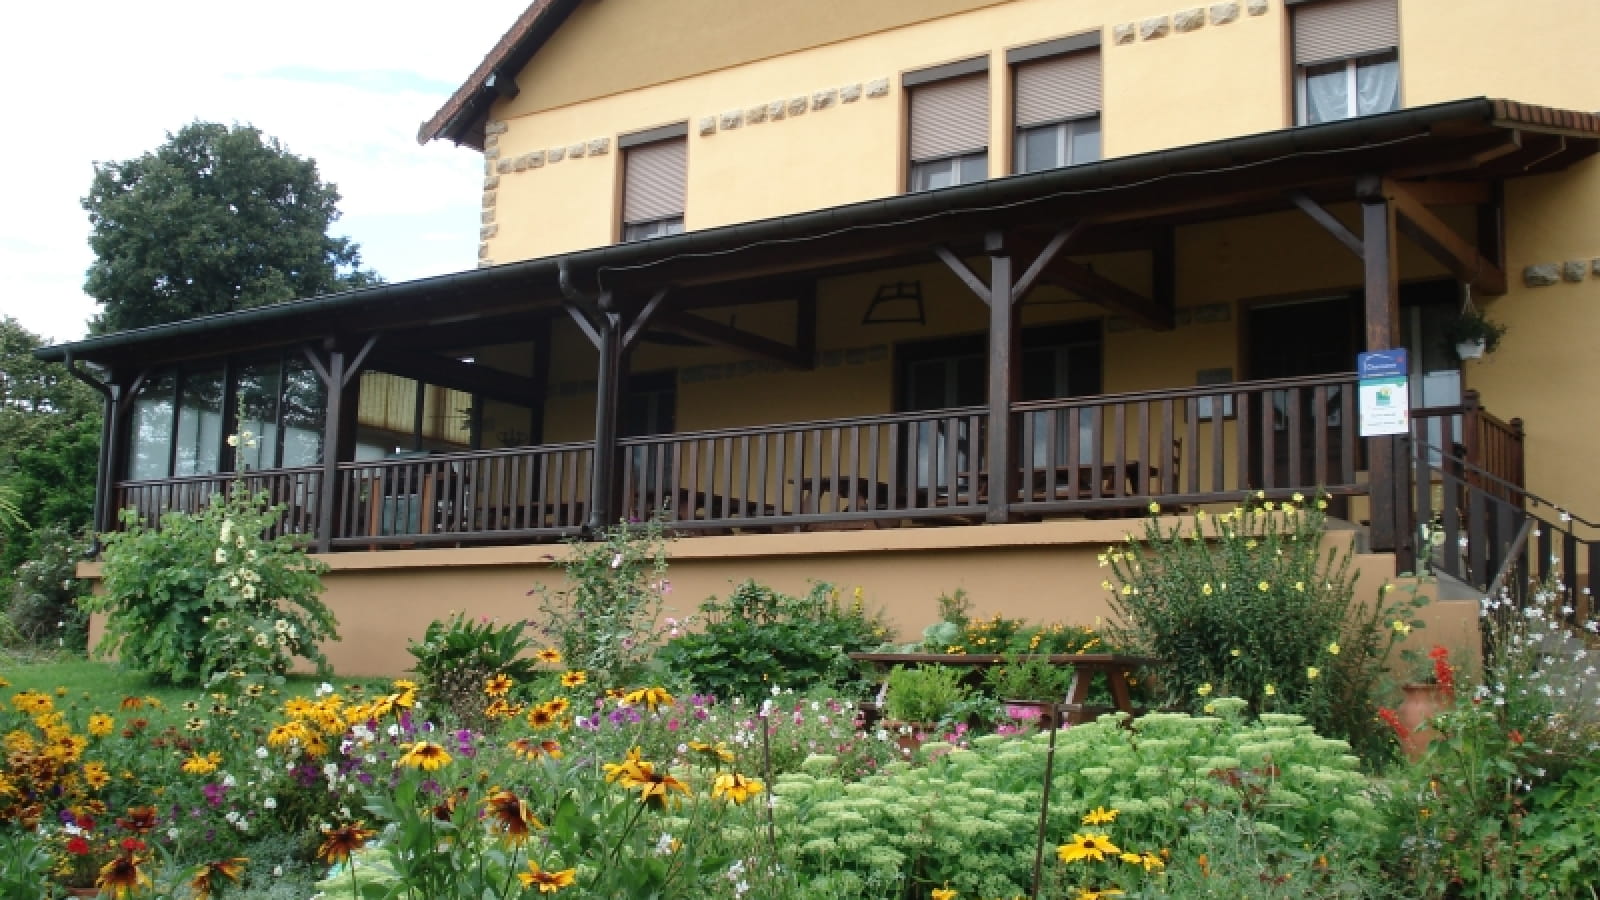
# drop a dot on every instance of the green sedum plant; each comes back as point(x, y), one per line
point(207, 593)
point(924, 695)
point(1252, 604)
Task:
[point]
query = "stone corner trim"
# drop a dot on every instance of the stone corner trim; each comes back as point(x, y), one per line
point(1186, 20)
point(1541, 275)
point(1223, 13)
point(1124, 33)
point(1153, 28)
point(1257, 7)
point(708, 125)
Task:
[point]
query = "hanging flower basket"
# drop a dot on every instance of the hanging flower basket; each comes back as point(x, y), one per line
point(1470, 349)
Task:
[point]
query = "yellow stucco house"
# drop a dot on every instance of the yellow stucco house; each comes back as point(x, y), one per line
point(927, 294)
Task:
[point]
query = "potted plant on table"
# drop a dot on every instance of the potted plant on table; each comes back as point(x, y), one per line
point(1430, 690)
point(1472, 334)
point(1030, 687)
point(919, 699)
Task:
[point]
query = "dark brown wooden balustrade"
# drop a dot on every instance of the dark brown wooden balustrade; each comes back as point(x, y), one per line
point(1468, 433)
point(1187, 446)
point(294, 489)
point(871, 470)
point(518, 494)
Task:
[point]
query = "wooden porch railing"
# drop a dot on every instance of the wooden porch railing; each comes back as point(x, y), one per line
point(1186, 446)
point(1104, 455)
point(847, 471)
point(524, 493)
point(294, 489)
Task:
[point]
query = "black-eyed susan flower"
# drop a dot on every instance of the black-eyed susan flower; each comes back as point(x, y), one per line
point(208, 875)
point(711, 753)
point(735, 787)
point(339, 843)
point(1149, 861)
point(649, 698)
point(654, 787)
point(132, 703)
point(1087, 847)
point(121, 876)
point(574, 678)
point(944, 893)
point(558, 706)
point(499, 685)
point(540, 717)
point(547, 882)
point(424, 755)
point(1091, 894)
point(94, 775)
point(549, 655)
point(528, 748)
point(1100, 816)
point(101, 725)
point(202, 765)
point(622, 770)
point(511, 815)
point(139, 820)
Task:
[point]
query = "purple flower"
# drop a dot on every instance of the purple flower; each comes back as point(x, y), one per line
point(215, 793)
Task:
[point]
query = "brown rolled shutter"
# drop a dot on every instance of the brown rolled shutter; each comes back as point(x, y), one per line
point(653, 181)
point(950, 118)
point(1330, 30)
point(1057, 88)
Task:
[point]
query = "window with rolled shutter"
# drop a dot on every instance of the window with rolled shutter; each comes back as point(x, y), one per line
point(654, 178)
point(1057, 103)
point(1346, 57)
point(948, 138)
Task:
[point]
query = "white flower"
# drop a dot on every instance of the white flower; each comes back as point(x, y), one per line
point(70, 828)
point(664, 844)
point(261, 753)
point(270, 803)
point(222, 556)
point(325, 688)
point(229, 781)
point(261, 639)
point(172, 834)
point(616, 561)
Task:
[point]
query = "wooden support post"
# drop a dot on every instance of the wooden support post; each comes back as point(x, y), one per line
point(541, 382)
point(1381, 307)
point(805, 321)
point(607, 392)
point(1005, 365)
point(333, 413)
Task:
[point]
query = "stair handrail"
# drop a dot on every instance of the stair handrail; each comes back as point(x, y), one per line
point(1514, 553)
point(1566, 515)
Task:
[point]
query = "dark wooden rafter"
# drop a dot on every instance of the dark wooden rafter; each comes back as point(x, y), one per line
point(471, 378)
point(642, 318)
point(1329, 222)
point(715, 333)
point(1441, 242)
point(1102, 291)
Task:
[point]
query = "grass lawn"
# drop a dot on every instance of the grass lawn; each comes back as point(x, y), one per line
point(103, 685)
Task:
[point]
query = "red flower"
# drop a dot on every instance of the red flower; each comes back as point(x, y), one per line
point(1443, 672)
point(132, 845)
point(1393, 720)
point(77, 846)
point(1516, 737)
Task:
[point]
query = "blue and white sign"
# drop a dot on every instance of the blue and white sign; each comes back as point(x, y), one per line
point(1384, 397)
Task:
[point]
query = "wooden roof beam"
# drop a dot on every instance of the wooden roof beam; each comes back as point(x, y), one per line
point(457, 375)
point(1442, 243)
point(1102, 291)
point(717, 334)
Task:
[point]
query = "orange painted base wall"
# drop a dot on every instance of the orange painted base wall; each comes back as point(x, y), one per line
point(1045, 572)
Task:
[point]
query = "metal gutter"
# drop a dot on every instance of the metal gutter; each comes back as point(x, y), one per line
point(1107, 176)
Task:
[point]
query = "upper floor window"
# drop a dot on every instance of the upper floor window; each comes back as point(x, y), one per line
point(655, 167)
point(1346, 58)
point(1057, 103)
point(949, 133)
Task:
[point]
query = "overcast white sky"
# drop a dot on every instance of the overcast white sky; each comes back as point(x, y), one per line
point(345, 82)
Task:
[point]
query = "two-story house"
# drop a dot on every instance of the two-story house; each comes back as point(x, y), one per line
point(926, 294)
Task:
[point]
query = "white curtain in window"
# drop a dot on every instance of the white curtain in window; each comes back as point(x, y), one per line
point(1377, 87)
point(1327, 97)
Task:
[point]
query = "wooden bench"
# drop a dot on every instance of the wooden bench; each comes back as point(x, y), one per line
point(1086, 668)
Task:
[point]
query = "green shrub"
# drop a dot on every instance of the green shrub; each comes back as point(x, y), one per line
point(760, 637)
point(45, 593)
point(608, 621)
point(457, 655)
point(1249, 604)
point(1032, 678)
point(207, 593)
point(924, 695)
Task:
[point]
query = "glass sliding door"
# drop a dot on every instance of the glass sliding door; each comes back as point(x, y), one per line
point(200, 422)
point(150, 438)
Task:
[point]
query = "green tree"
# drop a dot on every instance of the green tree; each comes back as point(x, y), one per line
point(216, 219)
point(35, 396)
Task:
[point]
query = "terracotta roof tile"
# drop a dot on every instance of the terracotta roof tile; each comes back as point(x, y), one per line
point(520, 31)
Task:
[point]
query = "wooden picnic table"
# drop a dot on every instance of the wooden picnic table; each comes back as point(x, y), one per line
point(1086, 667)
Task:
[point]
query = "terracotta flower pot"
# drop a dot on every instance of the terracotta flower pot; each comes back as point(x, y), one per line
point(1422, 702)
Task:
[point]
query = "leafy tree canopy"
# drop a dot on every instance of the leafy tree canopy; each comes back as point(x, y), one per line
point(36, 398)
point(218, 218)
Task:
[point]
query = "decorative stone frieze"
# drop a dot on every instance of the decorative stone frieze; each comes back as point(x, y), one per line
point(824, 99)
point(1154, 28)
point(483, 251)
point(520, 164)
point(1186, 20)
point(1124, 33)
point(777, 110)
point(578, 150)
point(491, 143)
point(877, 87)
point(1256, 7)
point(1541, 275)
point(490, 198)
point(535, 159)
point(732, 119)
point(1223, 13)
point(555, 155)
point(487, 217)
point(489, 166)
point(798, 106)
point(1574, 270)
point(756, 115)
point(491, 182)
point(850, 93)
point(600, 146)
point(494, 128)
point(488, 231)
point(708, 125)
point(503, 166)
